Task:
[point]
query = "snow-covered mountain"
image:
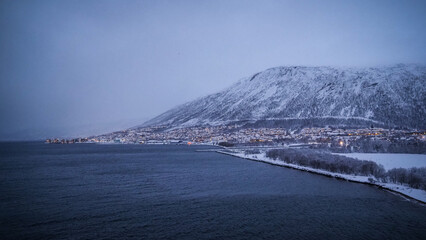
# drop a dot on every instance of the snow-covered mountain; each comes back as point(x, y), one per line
point(315, 96)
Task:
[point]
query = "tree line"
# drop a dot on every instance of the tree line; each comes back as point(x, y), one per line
point(413, 177)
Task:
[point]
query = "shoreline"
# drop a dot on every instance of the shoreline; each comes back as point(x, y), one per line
point(392, 188)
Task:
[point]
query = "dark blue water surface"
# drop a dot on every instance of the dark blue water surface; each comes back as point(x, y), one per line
point(87, 191)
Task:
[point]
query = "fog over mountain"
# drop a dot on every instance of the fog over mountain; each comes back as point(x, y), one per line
point(391, 96)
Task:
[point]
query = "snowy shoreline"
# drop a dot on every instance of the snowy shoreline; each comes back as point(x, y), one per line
point(417, 195)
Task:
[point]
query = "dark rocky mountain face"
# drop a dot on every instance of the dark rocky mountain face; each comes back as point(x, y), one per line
point(312, 96)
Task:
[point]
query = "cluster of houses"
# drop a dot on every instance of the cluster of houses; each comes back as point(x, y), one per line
point(67, 141)
point(235, 134)
point(196, 135)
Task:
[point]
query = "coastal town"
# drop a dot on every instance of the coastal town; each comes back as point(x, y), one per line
point(235, 135)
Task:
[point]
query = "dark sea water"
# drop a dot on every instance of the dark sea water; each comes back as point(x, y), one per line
point(87, 191)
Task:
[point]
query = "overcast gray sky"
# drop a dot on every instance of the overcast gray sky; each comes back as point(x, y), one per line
point(72, 68)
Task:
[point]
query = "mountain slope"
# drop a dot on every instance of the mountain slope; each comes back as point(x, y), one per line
point(389, 96)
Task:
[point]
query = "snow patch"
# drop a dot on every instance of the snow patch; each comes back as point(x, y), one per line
point(391, 160)
point(369, 114)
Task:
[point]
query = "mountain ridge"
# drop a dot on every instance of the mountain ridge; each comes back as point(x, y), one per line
point(392, 96)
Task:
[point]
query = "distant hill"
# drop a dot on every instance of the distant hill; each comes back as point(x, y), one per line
point(392, 96)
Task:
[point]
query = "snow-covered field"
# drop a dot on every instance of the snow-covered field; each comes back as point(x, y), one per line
point(404, 190)
point(391, 160)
